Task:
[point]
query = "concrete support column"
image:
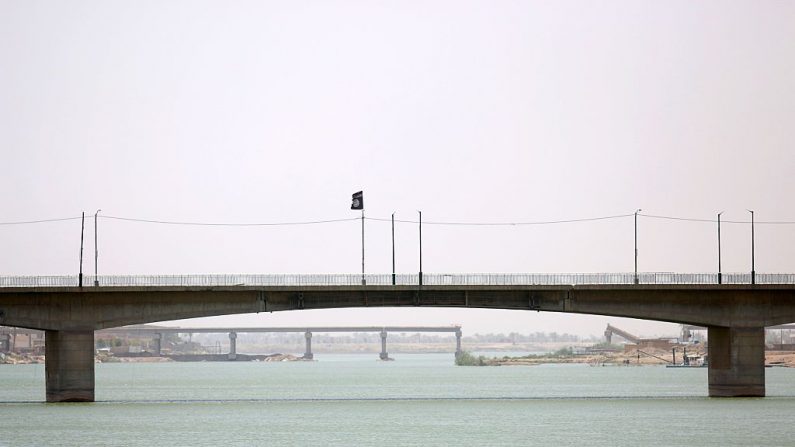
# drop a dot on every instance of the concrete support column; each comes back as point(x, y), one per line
point(158, 344)
point(308, 354)
point(383, 355)
point(69, 366)
point(736, 361)
point(457, 343)
point(5, 343)
point(232, 346)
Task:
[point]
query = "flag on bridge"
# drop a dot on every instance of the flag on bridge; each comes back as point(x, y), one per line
point(358, 201)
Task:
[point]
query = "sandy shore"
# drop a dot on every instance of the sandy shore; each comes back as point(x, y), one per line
point(630, 358)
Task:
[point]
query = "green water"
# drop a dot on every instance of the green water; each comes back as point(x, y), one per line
point(421, 399)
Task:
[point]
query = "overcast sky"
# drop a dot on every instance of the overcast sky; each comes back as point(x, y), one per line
point(471, 111)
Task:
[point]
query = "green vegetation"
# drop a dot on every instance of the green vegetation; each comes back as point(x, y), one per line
point(563, 352)
point(467, 359)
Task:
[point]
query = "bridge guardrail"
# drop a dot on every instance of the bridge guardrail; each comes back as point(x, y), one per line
point(459, 279)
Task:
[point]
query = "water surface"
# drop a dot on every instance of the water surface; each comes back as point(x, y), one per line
point(419, 399)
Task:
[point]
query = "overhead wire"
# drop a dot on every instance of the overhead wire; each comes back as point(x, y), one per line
point(690, 219)
point(408, 221)
point(26, 222)
point(505, 224)
point(230, 224)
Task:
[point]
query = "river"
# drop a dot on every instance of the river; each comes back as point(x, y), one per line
point(417, 400)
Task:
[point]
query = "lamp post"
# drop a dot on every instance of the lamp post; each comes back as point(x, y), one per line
point(636, 244)
point(96, 250)
point(420, 212)
point(82, 230)
point(753, 270)
point(720, 274)
point(393, 249)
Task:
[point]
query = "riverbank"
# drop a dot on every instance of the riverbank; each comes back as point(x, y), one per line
point(602, 358)
point(562, 356)
point(238, 358)
point(408, 348)
point(648, 356)
point(201, 358)
point(20, 359)
point(28, 359)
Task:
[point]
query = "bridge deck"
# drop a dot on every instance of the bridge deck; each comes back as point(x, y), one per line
point(465, 279)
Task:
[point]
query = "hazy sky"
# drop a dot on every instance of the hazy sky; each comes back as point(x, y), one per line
point(471, 111)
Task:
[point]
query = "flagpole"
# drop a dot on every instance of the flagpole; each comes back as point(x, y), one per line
point(364, 282)
point(357, 203)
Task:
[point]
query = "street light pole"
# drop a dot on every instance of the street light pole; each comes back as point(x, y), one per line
point(636, 244)
point(96, 250)
point(393, 249)
point(720, 274)
point(82, 231)
point(420, 212)
point(753, 270)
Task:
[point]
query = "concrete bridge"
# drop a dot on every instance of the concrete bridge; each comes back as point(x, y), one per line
point(735, 314)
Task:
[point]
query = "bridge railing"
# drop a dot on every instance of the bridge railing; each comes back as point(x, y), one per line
point(436, 279)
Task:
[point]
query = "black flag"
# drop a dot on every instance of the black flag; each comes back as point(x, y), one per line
point(358, 201)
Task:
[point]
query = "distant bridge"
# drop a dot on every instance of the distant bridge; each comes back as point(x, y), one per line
point(156, 332)
point(735, 312)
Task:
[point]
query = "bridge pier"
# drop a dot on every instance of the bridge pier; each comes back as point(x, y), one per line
point(384, 355)
point(5, 343)
point(457, 343)
point(736, 361)
point(308, 354)
point(232, 346)
point(158, 341)
point(69, 366)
